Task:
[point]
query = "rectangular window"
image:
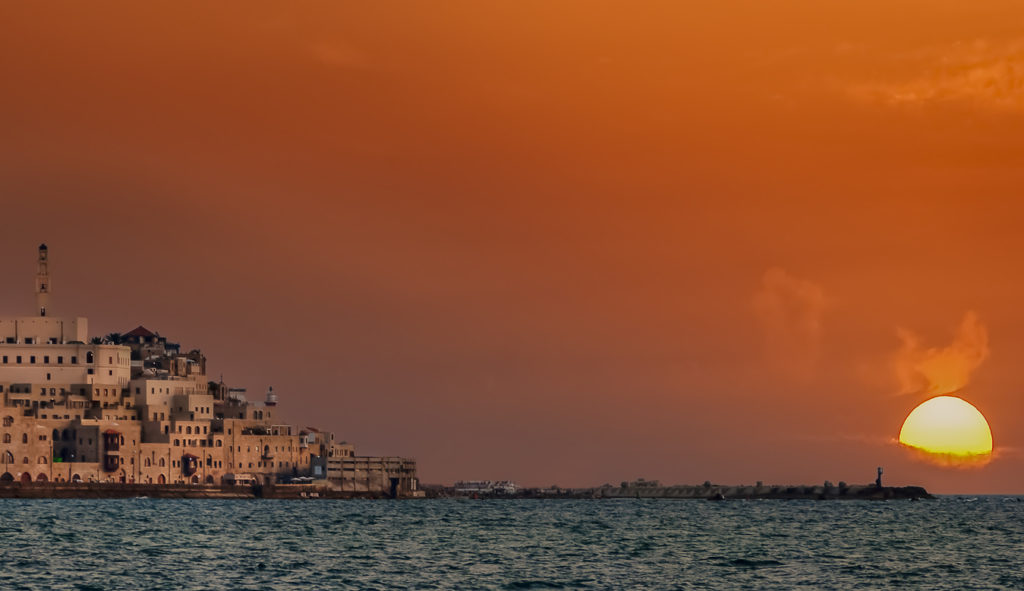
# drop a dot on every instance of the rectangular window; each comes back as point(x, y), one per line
point(18, 359)
point(89, 371)
point(60, 360)
point(32, 359)
point(5, 359)
point(74, 360)
point(46, 358)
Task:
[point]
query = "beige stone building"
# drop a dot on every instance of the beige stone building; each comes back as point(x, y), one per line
point(133, 408)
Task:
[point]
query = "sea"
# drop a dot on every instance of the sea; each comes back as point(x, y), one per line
point(953, 542)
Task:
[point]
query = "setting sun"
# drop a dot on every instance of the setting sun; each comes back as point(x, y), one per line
point(948, 430)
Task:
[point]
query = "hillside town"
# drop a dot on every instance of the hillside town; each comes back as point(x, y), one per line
point(136, 408)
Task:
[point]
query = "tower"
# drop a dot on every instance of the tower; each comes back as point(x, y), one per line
point(42, 281)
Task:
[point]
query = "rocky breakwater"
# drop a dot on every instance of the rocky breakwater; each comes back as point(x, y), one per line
point(827, 491)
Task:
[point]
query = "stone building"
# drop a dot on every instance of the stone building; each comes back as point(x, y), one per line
point(133, 408)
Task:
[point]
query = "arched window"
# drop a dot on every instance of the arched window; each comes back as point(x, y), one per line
point(177, 442)
point(89, 357)
point(219, 443)
point(24, 460)
point(56, 435)
point(8, 457)
point(42, 460)
point(8, 421)
point(147, 463)
point(7, 437)
point(188, 430)
point(122, 440)
point(162, 464)
point(24, 438)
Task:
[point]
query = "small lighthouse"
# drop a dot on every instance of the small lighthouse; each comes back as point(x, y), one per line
point(42, 281)
point(271, 397)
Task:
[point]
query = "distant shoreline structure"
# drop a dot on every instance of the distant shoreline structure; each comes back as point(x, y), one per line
point(715, 492)
point(318, 490)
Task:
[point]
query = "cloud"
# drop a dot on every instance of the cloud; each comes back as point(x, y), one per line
point(790, 312)
point(935, 370)
point(947, 460)
point(979, 73)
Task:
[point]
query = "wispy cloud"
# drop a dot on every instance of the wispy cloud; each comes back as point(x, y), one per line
point(790, 311)
point(941, 370)
point(980, 73)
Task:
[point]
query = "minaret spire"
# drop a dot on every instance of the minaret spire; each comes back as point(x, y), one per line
point(42, 281)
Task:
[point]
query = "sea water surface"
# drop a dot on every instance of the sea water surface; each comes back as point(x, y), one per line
point(948, 543)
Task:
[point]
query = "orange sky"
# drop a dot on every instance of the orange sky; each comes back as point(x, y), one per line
point(559, 242)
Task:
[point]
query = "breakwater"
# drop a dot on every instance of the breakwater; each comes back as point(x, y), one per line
point(721, 493)
point(708, 491)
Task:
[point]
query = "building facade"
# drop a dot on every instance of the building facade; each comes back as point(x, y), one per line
point(133, 408)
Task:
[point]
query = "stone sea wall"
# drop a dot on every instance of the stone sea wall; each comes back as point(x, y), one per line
point(111, 490)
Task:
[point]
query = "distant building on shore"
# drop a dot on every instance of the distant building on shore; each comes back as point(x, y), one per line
point(133, 408)
point(486, 487)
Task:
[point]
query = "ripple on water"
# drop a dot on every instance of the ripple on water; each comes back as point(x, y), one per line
point(634, 544)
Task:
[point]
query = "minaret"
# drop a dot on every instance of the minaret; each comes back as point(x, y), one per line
point(42, 282)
